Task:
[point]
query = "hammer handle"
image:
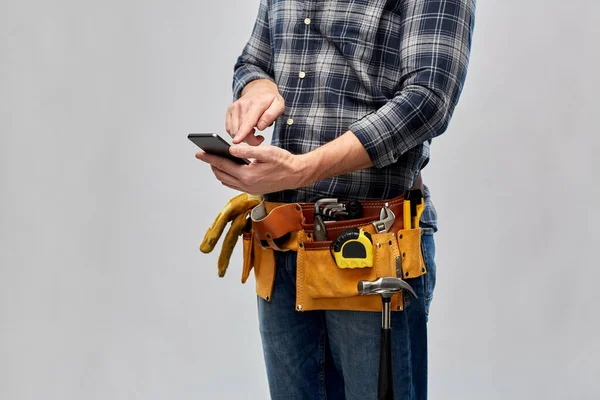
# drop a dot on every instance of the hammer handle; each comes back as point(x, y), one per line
point(385, 390)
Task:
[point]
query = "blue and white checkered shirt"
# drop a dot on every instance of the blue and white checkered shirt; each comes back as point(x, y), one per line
point(391, 71)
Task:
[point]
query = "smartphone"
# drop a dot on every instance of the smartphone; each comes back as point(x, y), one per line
point(212, 143)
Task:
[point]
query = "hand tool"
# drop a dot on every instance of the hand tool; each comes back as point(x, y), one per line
point(329, 209)
point(415, 203)
point(343, 211)
point(386, 220)
point(354, 209)
point(406, 211)
point(353, 248)
point(320, 232)
point(386, 287)
point(324, 201)
point(339, 214)
point(420, 208)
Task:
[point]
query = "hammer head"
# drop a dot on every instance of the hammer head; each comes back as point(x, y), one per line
point(386, 287)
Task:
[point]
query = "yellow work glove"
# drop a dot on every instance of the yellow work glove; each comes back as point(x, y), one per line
point(236, 210)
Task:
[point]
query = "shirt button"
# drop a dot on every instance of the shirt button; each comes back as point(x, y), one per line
point(307, 21)
point(302, 75)
point(290, 121)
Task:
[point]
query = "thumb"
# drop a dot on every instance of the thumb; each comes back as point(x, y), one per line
point(259, 153)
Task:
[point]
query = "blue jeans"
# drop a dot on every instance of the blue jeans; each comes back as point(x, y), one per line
point(335, 354)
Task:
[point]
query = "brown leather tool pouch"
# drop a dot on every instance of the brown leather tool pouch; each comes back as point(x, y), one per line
point(247, 254)
point(273, 229)
point(262, 260)
point(320, 283)
point(409, 243)
point(264, 270)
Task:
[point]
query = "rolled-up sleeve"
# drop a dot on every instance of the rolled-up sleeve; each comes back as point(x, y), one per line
point(256, 60)
point(435, 46)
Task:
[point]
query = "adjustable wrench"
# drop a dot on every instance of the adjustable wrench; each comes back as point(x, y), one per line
point(386, 220)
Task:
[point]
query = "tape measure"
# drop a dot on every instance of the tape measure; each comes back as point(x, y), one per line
point(353, 248)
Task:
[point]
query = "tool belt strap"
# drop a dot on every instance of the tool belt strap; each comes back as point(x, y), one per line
point(282, 221)
point(276, 224)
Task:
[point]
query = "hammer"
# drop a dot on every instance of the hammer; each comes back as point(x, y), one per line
point(386, 287)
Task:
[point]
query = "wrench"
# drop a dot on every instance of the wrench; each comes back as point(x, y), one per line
point(386, 220)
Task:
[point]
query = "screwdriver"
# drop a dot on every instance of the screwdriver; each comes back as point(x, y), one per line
point(406, 213)
point(420, 208)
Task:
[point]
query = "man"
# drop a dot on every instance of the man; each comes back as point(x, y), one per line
point(357, 90)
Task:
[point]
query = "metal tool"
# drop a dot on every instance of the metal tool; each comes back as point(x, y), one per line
point(329, 209)
point(354, 209)
point(386, 287)
point(320, 231)
point(324, 201)
point(339, 214)
point(386, 220)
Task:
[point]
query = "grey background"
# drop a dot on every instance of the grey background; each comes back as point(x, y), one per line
point(104, 294)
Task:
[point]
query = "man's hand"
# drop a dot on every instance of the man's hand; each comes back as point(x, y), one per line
point(275, 169)
point(272, 170)
point(259, 105)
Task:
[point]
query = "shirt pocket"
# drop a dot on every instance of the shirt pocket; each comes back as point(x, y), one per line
point(286, 22)
point(287, 9)
point(351, 25)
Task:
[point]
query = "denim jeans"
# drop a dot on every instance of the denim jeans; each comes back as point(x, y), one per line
point(335, 354)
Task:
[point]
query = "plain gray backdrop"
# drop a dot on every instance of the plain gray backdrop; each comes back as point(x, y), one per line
point(104, 293)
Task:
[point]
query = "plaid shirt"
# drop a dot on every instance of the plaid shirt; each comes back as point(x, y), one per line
point(391, 71)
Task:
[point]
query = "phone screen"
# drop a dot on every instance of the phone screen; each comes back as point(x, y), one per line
point(214, 144)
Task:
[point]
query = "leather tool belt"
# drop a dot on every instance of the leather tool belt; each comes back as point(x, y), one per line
point(320, 283)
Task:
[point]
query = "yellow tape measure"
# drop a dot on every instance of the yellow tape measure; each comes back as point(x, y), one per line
point(353, 248)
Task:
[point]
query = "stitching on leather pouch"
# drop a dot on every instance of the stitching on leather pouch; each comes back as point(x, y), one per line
point(365, 204)
point(391, 203)
point(344, 226)
point(300, 279)
point(351, 226)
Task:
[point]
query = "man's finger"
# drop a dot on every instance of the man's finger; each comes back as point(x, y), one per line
point(248, 122)
point(228, 122)
point(235, 119)
point(233, 187)
point(220, 163)
point(226, 178)
point(271, 114)
point(254, 140)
